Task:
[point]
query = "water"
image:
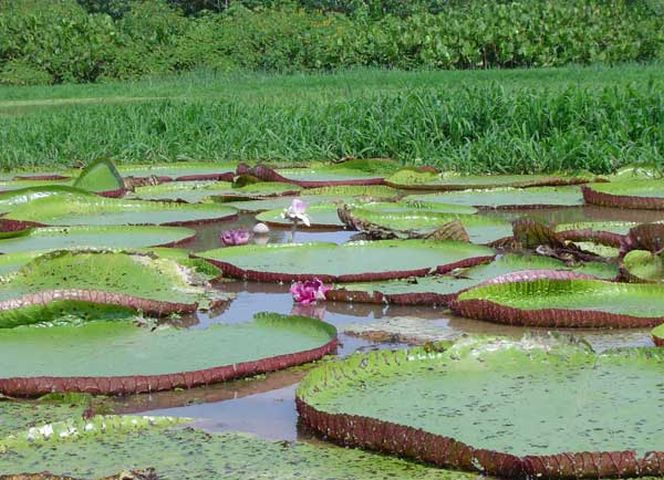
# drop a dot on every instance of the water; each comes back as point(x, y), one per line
point(264, 405)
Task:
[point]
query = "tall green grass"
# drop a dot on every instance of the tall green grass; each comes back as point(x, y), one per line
point(536, 121)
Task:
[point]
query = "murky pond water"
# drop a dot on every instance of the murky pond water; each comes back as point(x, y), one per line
point(264, 406)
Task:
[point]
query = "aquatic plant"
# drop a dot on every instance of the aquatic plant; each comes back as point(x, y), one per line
point(309, 291)
point(236, 236)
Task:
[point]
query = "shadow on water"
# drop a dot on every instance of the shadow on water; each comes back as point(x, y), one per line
point(264, 405)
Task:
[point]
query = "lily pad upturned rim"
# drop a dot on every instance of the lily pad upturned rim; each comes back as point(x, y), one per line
point(604, 199)
point(406, 441)
point(269, 174)
point(494, 312)
point(226, 172)
point(231, 270)
point(135, 384)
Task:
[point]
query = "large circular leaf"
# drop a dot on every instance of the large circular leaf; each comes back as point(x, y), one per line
point(122, 358)
point(355, 261)
point(68, 208)
point(568, 196)
point(440, 289)
point(418, 180)
point(83, 285)
point(103, 237)
point(643, 266)
point(646, 194)
point(181, 171)
point(558, 299)
point(497, 406)
point(15, 198)
point(195, 192)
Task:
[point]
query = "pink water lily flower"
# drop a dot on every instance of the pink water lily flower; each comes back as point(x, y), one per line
point(238, 236)
point(308, 291)
point(296, 212)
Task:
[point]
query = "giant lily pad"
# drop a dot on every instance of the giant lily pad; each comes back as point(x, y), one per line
point(195, 192)
point(644, 194)
point(123, 358)
point(497, 406)
point(60, 238)
point(568, 196)
point(186, 453)
point(610, 233)
point(181, 171)
point(101, 177)
point(562, 299)
point(68, 208)
point(97, 285)
point(15, 198)
point(319, 175)
point(419, 220)
point(440, 289)
point(18, 184)
point(426, 180)
point(321, 216)
point(354, 261)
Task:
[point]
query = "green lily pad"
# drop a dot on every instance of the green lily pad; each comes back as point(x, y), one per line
point(22, 196)
point(100, 237)
point(84, 285)
point(68, 208)
point(125, 358)
point(658, 335)
point(13, 261)
point(186, 453)
point(644, 266)
point(439, 289)
point(506, 404)
point(359, 172)
point(19, 184)
point(198, 191)
point(646, 194)
point(99, 177)
point(607, 233)
point(321, 216)
point(20, 416)
point(558, 300)
point(181, 171)
point(412, 179)
point(341, 192)
point(421, 219)
point(568, 196)
point(354, 261)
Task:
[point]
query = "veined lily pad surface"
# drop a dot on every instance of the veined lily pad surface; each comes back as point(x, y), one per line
point(497, 406)
point(186, 453)
point(568, 196)
point(557, 299)
point(74, 209)
point(196, 192)
point(105, 284)
point(181, 171)
point(439, 289)
point(410, 179)
point(646, 194)
point(355, 261)
point(422, 219)
point(124, 358)
point(102, 237)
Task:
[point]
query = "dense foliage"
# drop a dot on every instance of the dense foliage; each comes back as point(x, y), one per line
point(46, 41)
point(497, 121)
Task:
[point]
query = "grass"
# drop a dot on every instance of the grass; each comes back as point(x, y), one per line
point(538, 120)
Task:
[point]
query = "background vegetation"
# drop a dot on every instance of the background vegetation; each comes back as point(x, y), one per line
point(538, 120)
point(56, 41)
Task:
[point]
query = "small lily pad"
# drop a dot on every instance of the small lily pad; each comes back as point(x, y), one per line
point(644, 266)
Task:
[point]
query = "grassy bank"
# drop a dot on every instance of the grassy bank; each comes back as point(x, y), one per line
point(481, 121)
